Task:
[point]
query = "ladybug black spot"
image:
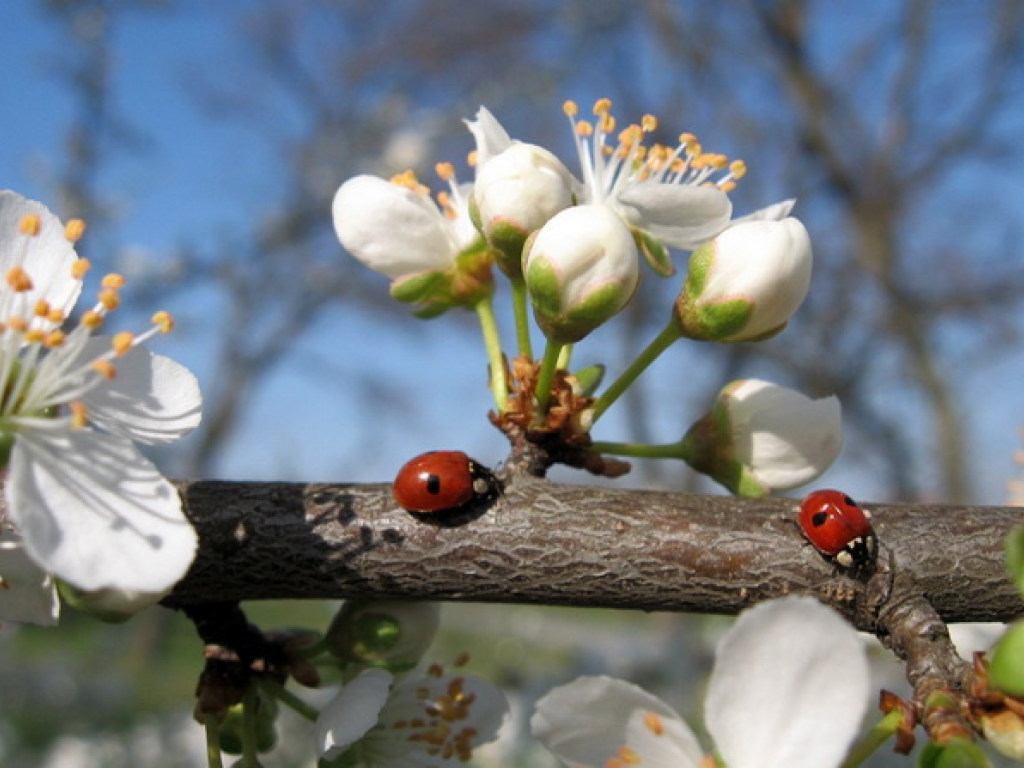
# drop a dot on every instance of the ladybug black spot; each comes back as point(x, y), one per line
point(819, 519)
point(850, 501)
point(433, 484)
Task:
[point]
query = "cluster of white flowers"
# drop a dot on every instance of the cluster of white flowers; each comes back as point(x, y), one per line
point(82, 504)
point(573, 246)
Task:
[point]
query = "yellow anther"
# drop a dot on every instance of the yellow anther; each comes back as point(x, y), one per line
point(717, 161)
point(164, 321)
point(110, 299)
point(79, 268)
point(445, 170)
point(79, 414)
point(30, 224)
point(17, 324)
point(74, 230)
point(727, 186)
point(602, 106)
point(18, 279)
point(113, 280)
point(408, 179)
point(472, 158)
point(444, 201)
point(105, 368)
point(649, 123)
point(630, 135)
point(738, 169)
point(42, 308)
point(122, 342)
point(56, 315)
point(629, 755)
point(614, 762)
point(92, 319)
point(54, 338)
point(34, 336)
point(583, 128)
point(607, 123)
point(570, 108)
point(654, 723)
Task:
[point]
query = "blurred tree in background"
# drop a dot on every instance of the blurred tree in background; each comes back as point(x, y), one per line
point(895, 125)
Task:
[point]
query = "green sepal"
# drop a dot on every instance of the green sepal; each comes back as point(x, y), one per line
point(507, 239)
point(545, 291)
point(419, 286)
point(957, 753)
point(657, 255)
point(589, 379)
point(430, 311)
point(697, 275)
point(1015, 556)
point(1006, 667)
point(720, 320)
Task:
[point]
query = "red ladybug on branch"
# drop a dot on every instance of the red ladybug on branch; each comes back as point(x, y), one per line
point(443, 482)
point(839, 528)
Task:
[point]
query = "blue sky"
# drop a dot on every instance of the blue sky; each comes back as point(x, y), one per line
point(214, 177)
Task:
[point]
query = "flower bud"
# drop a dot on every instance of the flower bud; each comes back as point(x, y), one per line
point(746, 283)
point(760, 437)
point(515, 194)
point(392, 634)
point(581, 268)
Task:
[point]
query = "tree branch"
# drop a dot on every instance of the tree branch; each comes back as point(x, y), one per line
point(547, 543)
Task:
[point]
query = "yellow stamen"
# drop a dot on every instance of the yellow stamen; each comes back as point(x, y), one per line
point(738, 169)
point(92, 319)
point(409, 181)
point(34, 336)
point(602, 106)
point(42, 308)
point(30, 224)
point(110, 299)
point(17, 324)
point(654, 723)
point(74, 230)
point(79, 268)
point(629, 755)
point(18, 280)
point(113, 280)
point(727, 186)
point(163, 320)
point(122, 342)
point(445, 170)
point(472, 158)
point(649, 123)
point(607, 123)
point(570, 108)
point(583, 128)
point(56, 315)
point(54, 338)
point(105, 368)
point(79, 414)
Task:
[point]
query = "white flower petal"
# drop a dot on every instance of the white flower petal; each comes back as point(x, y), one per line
point(27, 593)
point(94, 512)
point(153, 399)
point(590, 720)
point(491, 138)
point(679, 216)
point(47, 257)
point(774, 212)
point(390, 228)
point(789, 687)
point(352, 713)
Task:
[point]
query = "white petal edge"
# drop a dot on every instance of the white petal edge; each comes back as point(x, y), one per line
point(789, 687)
point(390, 228)
point(679, 216)
point(794, 445)
point(352, 713)
point(28, 594)
point(588, 721)
point(491, 138)
point(774, 212)
point(96, 513)
point(153, 399)
point(47, 257)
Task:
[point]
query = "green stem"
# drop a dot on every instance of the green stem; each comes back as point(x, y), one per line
point(249, 749)
point(546, 376)
point(638, 450)
point(522, 316)
point(495, 358)
point(565, 357)
point(289, 699)
point(874, 739)
point(213, 757)
point(669, 334)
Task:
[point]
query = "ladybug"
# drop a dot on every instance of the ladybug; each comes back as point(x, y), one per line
point(438, 482)
point(838, 527)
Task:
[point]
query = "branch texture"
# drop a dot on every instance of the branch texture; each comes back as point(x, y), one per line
point(547, 543)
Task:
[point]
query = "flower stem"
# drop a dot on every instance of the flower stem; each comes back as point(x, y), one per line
point(639, 450)
point(669, 334)
point(289, 699)
point(874, 739)
point(546, 377)
point(522, 316)
point(248, 732)
point(495, 358)
point(213, 756)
